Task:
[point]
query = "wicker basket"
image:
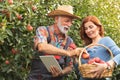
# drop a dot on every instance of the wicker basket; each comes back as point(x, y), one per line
point(84, 68)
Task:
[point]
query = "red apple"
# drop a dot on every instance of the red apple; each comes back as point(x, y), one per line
point(34, 8)
point(73, 46)
point(19, 17)
point(102, 62)
point(13, 51)
point(85, 55)
point(6, 12)
point(10, 1)
point(29, 27)
point(1, 0)
point(97, 59)
point(91, 61)
point(7, 62)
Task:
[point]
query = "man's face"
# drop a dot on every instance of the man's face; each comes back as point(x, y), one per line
point(64, 23)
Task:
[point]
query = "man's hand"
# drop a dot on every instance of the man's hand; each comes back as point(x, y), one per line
point(76, 52)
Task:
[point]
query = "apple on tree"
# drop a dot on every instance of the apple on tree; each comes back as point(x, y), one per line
point(19, 17)
point(10, 1)
point(14, 51)
point(29, 27)
point(34, 8)
point(7, 62)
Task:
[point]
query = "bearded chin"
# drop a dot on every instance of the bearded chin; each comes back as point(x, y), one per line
point(62, 28)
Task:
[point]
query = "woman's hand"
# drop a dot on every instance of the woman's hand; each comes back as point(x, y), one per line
point(98, 70)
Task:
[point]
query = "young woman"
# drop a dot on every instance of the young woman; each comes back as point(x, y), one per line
point(92, 32)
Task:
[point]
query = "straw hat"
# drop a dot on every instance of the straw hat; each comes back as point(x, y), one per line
point(64, 10)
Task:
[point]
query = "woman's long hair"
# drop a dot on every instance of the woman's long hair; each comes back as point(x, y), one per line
point(83, 35)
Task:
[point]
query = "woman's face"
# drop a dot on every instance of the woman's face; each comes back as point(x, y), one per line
point(91, 30)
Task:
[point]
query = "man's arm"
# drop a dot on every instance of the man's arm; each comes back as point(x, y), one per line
point(50, 49)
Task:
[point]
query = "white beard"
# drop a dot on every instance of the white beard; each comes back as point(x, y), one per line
point(63, 29)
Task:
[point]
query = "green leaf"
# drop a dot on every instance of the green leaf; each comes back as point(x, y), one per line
point(9, 32)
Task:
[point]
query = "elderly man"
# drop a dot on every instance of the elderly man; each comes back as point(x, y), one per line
point(53, 40)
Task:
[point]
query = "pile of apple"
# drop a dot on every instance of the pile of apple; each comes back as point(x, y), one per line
point(96, 60)
point(93, 60)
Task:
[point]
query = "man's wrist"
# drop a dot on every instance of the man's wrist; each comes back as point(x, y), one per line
point(68, 53)
point(61, 73)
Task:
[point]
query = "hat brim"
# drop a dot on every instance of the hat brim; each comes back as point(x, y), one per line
point(61, 13)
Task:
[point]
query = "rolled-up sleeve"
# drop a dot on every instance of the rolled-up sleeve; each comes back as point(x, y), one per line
point(41, 34)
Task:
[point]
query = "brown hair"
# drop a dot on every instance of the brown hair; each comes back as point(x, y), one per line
point(97, 22)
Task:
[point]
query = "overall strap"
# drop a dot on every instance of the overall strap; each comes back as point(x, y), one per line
point(69, 40)
point(66, 58)
point(48, 38)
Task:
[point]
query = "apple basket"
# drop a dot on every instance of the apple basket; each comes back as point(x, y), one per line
point(85, 68)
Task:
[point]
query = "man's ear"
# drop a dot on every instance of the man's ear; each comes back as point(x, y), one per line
point(56, 19)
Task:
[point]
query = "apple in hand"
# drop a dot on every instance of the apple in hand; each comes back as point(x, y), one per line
point(85, 56)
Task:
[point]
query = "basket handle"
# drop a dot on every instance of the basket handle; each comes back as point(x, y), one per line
point(79, 62)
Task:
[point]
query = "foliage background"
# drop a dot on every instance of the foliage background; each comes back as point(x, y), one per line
point(16, 42)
